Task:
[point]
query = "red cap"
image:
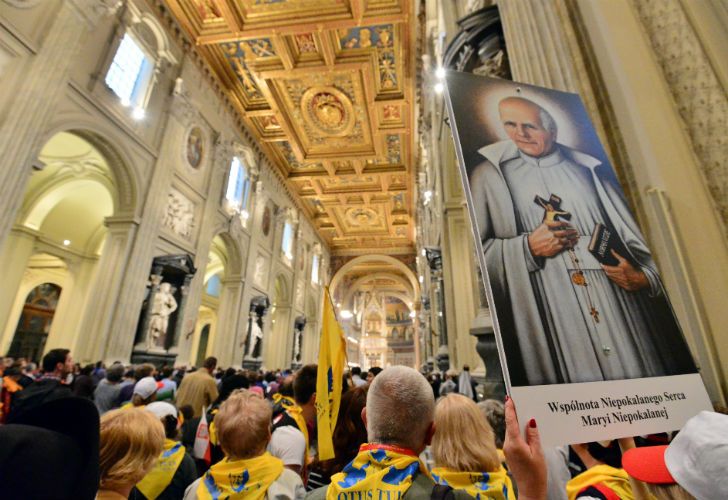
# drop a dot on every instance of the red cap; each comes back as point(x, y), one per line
point(647, 464)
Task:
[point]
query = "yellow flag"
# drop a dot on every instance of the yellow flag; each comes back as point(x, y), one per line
point(331, 362)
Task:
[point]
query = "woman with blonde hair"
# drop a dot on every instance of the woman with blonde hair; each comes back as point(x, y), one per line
point(464, 451)
point(130, 442)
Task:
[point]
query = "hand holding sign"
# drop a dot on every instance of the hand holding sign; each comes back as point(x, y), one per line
point(524, 456)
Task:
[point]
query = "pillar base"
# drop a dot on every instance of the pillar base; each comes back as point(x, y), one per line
point(252, 364)
point(158, 359)
point(494, 387)
point(443, 359)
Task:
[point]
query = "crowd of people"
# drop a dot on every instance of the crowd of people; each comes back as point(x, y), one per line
point(139, 432)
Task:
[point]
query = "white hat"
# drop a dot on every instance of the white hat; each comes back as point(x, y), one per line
point(698, 456)
point(161, 409)
point(146, 387)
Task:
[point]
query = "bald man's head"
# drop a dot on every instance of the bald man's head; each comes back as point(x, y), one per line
point(529, 126)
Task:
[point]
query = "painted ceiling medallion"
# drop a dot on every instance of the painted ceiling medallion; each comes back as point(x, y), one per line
point(359, 217)
point(328, 110)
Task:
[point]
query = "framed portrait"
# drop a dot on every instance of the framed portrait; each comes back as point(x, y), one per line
point(589, 342)
point(195, 147)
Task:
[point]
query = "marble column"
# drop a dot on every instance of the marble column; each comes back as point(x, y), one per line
point(229, 319)
point(103, 299)
point(72, 304)
point(13, 262)
point(434, 259)
point(120, 337)
point(36, 97)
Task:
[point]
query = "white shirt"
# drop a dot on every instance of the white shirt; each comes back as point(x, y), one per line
point(288, 444)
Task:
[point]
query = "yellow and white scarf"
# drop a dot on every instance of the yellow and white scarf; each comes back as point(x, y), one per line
point(479, 485)
point(155, 482)
point(248, 478)
point(285, 401)
point(296, 413)
point(616, 480)
point(376, 469)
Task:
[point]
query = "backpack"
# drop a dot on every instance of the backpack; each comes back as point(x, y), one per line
point(35, 395)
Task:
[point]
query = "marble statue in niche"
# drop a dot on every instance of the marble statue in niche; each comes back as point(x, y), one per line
point(256, 335)
point(163, 306)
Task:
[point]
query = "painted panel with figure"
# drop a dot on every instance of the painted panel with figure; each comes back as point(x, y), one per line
point(577, 296)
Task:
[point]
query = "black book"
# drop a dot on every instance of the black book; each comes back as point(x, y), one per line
point(603, 241)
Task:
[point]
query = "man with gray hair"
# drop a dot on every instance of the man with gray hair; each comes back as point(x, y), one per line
point(106, 395)
point(399, 418)
point(567, 313)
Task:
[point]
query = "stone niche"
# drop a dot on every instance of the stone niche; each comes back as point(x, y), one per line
point(165, 300)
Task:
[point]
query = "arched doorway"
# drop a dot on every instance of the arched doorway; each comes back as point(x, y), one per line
point(221, 291)
point(59, 234)
point(212, 290)
point(376, 297)
point(35, 322)
point(202, 345)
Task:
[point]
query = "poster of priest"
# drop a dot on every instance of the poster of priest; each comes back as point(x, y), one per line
point(589, 344)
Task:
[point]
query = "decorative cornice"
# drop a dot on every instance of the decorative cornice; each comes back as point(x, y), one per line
point(700, 98)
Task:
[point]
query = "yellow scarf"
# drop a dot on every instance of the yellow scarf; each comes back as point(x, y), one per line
point(479, 485)
point(211, 429)
point(248, 478)
point(155, 482)
point(376, 469)
point(296, 413)
point(285, 401)
point(615, 479)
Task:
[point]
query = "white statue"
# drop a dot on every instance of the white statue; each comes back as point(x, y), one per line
point(163, 306)
point(297, 346)
point(256, 335)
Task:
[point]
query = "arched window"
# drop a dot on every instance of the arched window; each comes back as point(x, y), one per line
point(130, 74)
point(213, 286)
point(315, 264)
point(287, 241)
point(237, 194)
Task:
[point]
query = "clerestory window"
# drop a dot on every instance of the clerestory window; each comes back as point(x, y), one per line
point(130, 74)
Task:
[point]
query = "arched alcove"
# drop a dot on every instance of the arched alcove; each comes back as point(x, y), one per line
point(218, 293)
point(60, 232)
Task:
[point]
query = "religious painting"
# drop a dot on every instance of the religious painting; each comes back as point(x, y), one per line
point(195, 147)
point(590, 345)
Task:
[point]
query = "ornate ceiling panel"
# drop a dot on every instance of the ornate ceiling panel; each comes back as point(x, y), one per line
point(327, 87)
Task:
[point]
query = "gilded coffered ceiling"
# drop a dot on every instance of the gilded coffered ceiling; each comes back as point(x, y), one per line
point(327, 87)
